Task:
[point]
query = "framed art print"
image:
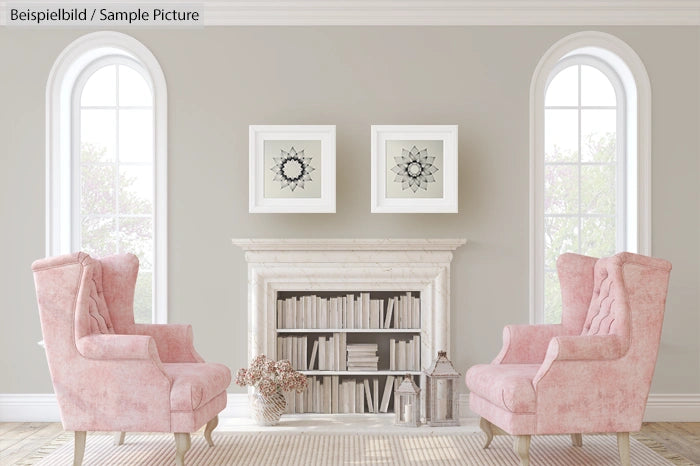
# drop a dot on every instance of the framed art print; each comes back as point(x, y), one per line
point(414, 168)
point(292, 168)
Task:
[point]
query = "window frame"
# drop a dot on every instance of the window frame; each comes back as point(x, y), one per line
point(614, 58)
point(64, 86)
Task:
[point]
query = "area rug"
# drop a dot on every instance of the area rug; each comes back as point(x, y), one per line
point(304, 449)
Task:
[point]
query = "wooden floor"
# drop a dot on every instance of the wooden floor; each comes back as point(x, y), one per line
point(20, 441)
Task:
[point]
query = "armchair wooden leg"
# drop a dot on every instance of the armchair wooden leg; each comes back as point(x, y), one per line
point(577, 440)
point(211, 425)
point(623, 446)
point(521, 445)
point(182, 444)
point(79, 447)
point(119, 438)
point(487, 428)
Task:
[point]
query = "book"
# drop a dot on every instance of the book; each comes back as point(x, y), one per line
point(280, 314)
point(409, 301)
point(360, 398)
point(388, 389)
point(374, 313)
point(343, 352)
point(375, 394)
point(416, 352)
point(350, 311)
point(336, 351)
point(333, 313)
point(308, 317)
point(330, 357)
point(415, 317)
point(314, 350)
point(368, 396)
point(318, 395)
point(350, 396)
point(381, 313)
point(392, 354)
point(401, 352)
point(365, 310)
point(389, 313)
point(334, 394)
point(327, 394)
point(322, 348)
point(304, 353)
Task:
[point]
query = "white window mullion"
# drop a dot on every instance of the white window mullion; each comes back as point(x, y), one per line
point(580, 220)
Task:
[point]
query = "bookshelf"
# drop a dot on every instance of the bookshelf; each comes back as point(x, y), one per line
point(285, 267)
point(354, 347)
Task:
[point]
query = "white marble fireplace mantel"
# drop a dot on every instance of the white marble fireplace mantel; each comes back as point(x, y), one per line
point(349, 265)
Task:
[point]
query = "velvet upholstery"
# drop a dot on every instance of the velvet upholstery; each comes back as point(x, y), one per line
point(110, 374)
point(592, 372)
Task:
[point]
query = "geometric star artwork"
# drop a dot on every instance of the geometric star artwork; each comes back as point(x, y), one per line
point(414, 169)
point(292, 169)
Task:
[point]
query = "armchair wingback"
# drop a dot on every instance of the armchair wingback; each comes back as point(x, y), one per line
point(111, 374)
point(592, 372)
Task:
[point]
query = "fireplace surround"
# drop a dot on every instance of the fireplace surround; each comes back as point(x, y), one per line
point(351, 265)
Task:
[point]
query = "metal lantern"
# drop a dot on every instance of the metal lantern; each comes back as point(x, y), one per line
point(407, 403)
point(442, 392)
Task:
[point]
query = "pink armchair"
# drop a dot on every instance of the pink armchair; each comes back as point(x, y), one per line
point(110, 374)
point(592, 372)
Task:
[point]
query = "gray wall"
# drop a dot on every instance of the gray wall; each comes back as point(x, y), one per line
point(220, 80)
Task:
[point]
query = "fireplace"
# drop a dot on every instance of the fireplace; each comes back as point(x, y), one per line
point(279, 265)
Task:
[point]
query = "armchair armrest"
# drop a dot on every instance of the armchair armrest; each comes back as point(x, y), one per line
point(526, 344)
point(577, 348)
point(583, 349)
point(117, 347)
point(175, 342)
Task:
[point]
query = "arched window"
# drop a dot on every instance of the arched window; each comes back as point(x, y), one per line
point(106, 159)
point(590, 100)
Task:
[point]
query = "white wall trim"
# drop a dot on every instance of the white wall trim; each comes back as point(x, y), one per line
point(432, 12)
point(42, 407)
point(630, 68)
point(29, 407)
point(62, 78)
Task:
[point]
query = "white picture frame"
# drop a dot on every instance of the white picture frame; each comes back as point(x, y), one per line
point(429, 183)
point(291, 168)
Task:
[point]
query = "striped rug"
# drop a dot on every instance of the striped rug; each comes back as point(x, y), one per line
point(304, 449)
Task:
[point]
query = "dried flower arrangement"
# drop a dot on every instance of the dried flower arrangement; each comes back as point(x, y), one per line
point(270, 376)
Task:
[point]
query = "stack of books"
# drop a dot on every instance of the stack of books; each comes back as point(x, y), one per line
point(362, 357)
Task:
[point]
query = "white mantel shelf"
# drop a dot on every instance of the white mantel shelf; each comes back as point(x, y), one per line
point(363, 244)
point(316, 265)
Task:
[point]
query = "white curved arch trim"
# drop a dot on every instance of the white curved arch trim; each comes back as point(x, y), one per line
point(635, 80)
point(59, 89)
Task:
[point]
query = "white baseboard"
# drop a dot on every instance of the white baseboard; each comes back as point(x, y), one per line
point(673, 408)
point(30, 407)
point(42, 407)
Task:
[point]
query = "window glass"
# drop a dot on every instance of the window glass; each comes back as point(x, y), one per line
point(117, 174)
point(581, 172)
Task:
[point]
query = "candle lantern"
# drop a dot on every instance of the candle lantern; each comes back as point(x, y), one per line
point(442, 392)
point(407, 403)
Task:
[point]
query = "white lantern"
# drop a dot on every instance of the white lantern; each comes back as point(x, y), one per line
point(407, 403)
point(442, 392)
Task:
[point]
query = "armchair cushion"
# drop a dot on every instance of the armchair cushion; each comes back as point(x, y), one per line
point(508, 386)
point(195, 384)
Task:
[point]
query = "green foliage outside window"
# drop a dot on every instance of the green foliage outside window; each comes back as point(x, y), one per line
point(114, 218)
point(580, 209)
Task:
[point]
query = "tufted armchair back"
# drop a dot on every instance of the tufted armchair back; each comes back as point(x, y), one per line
point(91, 312)
point(608, 312)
